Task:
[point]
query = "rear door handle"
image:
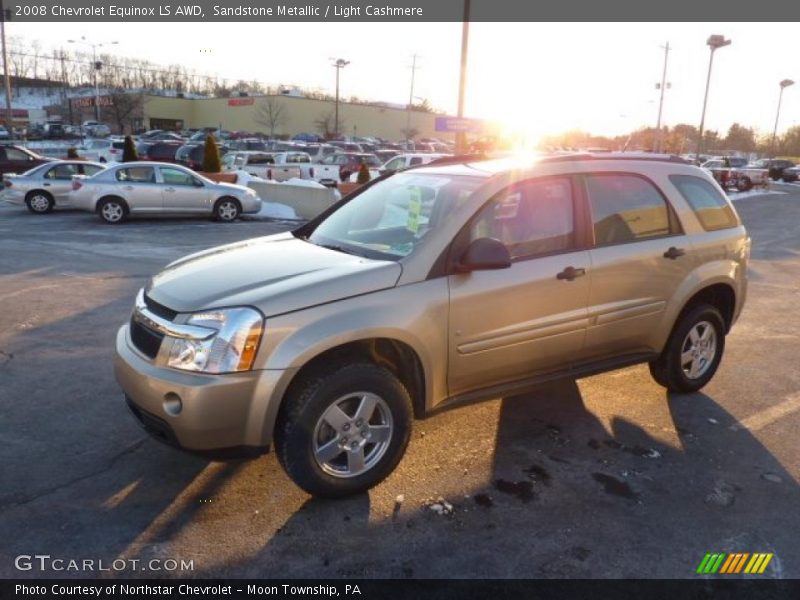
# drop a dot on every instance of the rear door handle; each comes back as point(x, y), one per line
point(571, 273)
point(169, 189)
point(674, 253)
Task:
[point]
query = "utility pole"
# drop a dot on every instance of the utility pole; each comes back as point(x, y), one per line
point(659, 135)
point(65, 84)
point(414, 68)
point(6, 76)
point(462, 81)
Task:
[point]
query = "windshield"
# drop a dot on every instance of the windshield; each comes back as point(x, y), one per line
point(394, 217)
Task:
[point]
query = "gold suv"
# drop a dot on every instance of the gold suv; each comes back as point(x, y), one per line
point(433, 286)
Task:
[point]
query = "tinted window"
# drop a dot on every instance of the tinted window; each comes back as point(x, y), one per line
point(137, 175)
point(163, 151)
point(176, 177)
point(711, 207)
point(626, 208)
point(531, 219)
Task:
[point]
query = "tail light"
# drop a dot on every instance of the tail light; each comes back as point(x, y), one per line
point(7, 183)
point(76, 185)
point(311, 172)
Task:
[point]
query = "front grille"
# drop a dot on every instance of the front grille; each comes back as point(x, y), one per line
point(159, 309)
point(145, 340)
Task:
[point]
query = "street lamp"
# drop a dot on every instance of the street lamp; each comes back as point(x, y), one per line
point(339, 64)
point(714, 42)
point(784, 84)
point(96, 66)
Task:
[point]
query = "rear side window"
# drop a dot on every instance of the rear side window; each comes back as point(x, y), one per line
point(711, 207)
point(626, 208)
point(137, 175)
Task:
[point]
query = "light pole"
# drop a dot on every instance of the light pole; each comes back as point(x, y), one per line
point(338, 65)
point(661, 86)
point(462, 81)
point(714, 42)
point(414, 68)
point(784, 84)
point(96, 67)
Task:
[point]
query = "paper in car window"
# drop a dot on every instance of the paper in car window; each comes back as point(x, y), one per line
point(414, 209)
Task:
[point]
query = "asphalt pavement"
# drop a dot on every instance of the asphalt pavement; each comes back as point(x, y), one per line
point(606, 476)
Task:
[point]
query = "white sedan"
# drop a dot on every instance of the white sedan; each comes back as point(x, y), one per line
point(153, 188)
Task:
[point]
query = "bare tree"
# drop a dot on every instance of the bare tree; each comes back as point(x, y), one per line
point(123, 107)
point(272, 113)
point(326, 124)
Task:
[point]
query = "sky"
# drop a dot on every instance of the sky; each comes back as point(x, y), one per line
point(535, 78)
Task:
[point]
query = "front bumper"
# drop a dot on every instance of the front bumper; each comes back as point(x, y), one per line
point(231, 414)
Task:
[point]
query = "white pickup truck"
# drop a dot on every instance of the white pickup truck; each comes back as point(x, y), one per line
point(278, 166)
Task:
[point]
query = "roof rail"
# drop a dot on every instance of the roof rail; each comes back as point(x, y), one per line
point(671, 158)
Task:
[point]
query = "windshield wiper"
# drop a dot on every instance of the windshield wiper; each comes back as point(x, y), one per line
point(339, 249)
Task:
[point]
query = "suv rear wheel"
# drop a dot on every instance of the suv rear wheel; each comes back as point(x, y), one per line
point(344, 429)
point(693, 352)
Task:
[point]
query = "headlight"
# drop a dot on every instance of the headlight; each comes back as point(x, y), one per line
point(231, 349)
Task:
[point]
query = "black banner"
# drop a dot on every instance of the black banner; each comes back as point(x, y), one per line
point(396, 10)
point(418, 589)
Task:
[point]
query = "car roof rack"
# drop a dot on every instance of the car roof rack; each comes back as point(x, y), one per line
point(671, 158)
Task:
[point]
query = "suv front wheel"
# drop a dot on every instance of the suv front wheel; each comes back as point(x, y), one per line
point(343, 430)
point(693, 352)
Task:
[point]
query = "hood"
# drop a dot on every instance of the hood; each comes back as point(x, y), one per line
point(277, 274)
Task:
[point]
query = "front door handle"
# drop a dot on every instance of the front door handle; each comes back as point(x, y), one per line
point(674, 253)
point(129, 187)
point(571, 273)
point(169, 189)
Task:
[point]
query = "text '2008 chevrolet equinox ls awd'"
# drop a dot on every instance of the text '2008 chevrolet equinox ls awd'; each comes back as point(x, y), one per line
point(432, 286)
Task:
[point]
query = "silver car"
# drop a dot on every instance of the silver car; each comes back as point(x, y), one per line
point(153, 188)
point(49, 185)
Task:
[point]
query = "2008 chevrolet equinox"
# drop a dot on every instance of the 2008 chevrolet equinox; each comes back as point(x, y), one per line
point(435, 285)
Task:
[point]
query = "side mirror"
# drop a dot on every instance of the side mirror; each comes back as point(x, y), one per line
point(484, 254)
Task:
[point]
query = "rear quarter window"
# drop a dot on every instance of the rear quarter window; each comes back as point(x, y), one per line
point(712, 208)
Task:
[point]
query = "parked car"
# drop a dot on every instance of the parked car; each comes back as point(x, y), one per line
point(104, 151)
point(325, 342)
point(16, 159)
point(791, 174)
point(338, 167)
point(318, 151)
point(191, 155)
point(165, 136)
point(247, 144)
point(153, 188)
point(385, 155)
point(259, 164)
point(47, 186)
point(4, 134)
point(95, 129)
point(347, 146)
point(161, 151)
point(734, 173)
point(775, 166)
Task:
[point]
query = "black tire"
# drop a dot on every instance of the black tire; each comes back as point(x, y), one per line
point(298, 427)
point(39, 202)
point(227, 210)
point(744, 184)
point(102, 159)
point(112, 210)
point(670, 371)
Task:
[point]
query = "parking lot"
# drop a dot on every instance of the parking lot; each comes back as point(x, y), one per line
point(603, 477)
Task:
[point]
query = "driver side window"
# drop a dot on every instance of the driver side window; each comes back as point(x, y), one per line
point(532, 218)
